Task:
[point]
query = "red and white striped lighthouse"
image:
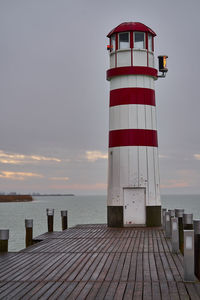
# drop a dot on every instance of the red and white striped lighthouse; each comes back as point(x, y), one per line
point(133, 171)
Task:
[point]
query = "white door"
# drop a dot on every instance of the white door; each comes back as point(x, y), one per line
point(134, 206)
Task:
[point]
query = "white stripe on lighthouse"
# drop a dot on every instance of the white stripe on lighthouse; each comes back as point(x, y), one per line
point(132, 116)
point(127, 81)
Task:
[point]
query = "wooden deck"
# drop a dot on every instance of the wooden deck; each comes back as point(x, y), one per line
point(96, 262)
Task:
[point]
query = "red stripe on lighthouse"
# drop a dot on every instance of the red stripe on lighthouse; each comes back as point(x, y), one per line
point(131, 70)
point(133, 137)
point(132, 96)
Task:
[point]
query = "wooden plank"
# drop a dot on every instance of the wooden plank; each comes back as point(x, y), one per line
point(85, 291)
point(43, 290)
point(164, 290)
point(72, 266)
point(119, 268)
point(182, 291)
point(156, 290)
point(111, 291)
point(133, 267)
point(106, 267)
point(147, 292)
point(126, 266)
point(159, 267)
point(86, 267)
point(8, 288)
point(93, 292)
point(173, 267)
point(99, 267)
point(56, 294)
point(67, 263)
point(166, 267)
point(69, 289)
point(111, 271)
point(138, 291)
point(173, 291)
point(152, 267)
point(146, 269)
point(75, 292)
point(139, 273)
point(192, 292)
point(119, 295)
point(128, 294)
point(51, 290)
point(102, 291)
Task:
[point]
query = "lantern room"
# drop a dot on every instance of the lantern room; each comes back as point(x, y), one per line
point(131, 44)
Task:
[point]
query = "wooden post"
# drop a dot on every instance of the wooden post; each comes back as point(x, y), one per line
point(188, 259)
point(4, 237)
point(163, 217)
point(174, 235)
point(64, 219)
point(29, 232)
point(187, 221)
point(172, 215)
point(179, 215)
point(197, 248)
point(50, 214)
point(167, 225)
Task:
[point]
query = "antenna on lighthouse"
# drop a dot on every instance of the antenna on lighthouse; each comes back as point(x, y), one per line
point(162, 64)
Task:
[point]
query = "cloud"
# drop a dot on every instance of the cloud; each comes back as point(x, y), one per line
point(60, 178)
point(170, 184)
point(163, 156)
point(18, 175)
point(95, 155)
point(16, 159)
point(196, 156)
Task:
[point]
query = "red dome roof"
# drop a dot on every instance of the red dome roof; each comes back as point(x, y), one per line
point(131, 26)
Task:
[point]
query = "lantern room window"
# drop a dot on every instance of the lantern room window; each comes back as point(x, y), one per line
point(124, 42)
point(112, 42)
point(139, 40)
point(150, 42)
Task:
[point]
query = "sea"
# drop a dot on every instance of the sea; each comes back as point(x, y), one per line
point(81, 210)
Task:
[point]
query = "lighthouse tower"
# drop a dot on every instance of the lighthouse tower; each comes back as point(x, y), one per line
point(133, 171)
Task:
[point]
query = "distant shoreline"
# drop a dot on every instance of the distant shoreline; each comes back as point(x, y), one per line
point(45, 195)
point(27, 198)
point(16, 198)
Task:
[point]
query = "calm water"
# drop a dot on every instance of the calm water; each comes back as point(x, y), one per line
point(81, 210)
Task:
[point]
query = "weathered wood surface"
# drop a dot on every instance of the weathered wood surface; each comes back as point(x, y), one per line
point(96, 262)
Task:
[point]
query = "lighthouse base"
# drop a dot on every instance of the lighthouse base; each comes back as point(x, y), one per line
point(153, 216)
point(115, 215)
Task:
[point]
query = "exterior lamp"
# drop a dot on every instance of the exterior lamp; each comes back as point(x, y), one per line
point(162, 64)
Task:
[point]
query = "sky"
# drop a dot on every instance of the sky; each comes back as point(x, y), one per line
point(54, 95)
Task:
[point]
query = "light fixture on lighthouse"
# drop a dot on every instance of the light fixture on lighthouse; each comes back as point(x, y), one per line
point(162, 64)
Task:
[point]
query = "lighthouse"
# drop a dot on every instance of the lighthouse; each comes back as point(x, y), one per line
point(133, 170)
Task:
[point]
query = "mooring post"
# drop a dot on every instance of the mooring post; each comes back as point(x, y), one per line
point(174, 235)
point(167, 224)
point(64, 219)
point(50, 214)
point(187, 221)
point(197, 248)
point(172, 214)
point(4, 237)
point(163, 217)
point(179, 215)
point(188, 259)
point(29, 232)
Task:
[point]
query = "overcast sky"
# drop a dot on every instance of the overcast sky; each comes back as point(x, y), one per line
point(54, 94)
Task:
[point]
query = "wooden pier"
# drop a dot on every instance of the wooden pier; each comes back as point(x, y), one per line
point(96, 262)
